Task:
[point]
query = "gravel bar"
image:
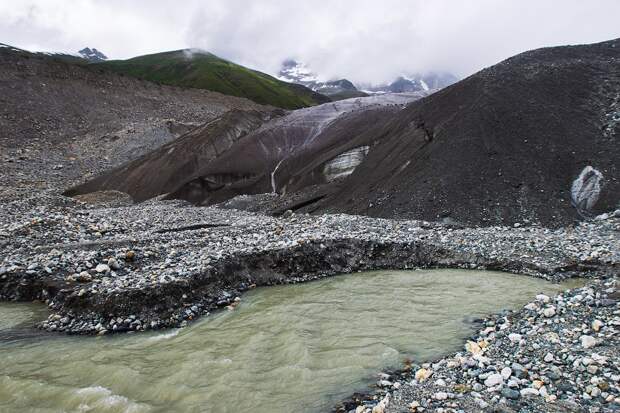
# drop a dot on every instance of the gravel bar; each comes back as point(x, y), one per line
point(556, 354)
point(163, 263)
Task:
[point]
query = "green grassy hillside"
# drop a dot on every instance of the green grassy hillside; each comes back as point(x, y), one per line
point(206, 71)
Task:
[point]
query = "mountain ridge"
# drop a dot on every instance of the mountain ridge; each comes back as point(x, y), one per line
point(510, 144)
point(249, 152)
point(530, 140)
point(337, 89)
point(84, 120)
point(297, 72)
point(204, 70)
point(92, 55)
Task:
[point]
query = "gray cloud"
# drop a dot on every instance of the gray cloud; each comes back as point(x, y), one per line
point(363, 40)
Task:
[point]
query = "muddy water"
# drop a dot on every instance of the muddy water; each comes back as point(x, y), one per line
point(288, 348)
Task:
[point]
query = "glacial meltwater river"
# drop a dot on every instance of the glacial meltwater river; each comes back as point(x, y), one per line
point(292, 348)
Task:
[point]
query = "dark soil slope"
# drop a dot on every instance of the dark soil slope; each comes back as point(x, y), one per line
point(505, 145)
point(530, 140)
point(284, 156)
point(251, 152)
point(61, 120)
point(171, 165)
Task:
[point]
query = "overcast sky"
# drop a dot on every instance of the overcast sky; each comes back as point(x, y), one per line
point(363, 40)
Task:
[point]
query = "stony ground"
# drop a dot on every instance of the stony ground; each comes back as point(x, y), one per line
point(115, 259)
point(61, 123)
point(556, 354)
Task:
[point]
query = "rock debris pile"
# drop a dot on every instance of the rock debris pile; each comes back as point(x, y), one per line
point(555, 354)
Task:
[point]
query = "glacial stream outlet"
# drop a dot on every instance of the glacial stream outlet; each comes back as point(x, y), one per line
point(287, 348)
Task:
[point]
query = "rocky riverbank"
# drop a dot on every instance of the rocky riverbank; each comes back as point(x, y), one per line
point(556, 354)
point(115, 267)
point(105, 268)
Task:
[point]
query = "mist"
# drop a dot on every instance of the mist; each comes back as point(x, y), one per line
point(362, 40)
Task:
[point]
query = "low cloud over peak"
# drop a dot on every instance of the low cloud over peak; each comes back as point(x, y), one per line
point(362, 40)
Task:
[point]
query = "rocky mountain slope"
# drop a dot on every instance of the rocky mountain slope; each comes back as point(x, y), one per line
point(203, 70)
point(531, 139)
point(92, 55)
point(61, 122)
point(296, 72)
point(430, 81)
point(252, 152)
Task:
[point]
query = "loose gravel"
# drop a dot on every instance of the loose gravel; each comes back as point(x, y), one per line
point(556, 354)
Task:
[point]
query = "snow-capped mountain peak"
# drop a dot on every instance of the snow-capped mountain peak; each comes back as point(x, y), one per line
point(426, 82)
point(92, 55)
point(297, 72)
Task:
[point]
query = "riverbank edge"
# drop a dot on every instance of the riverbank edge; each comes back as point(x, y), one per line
point(77, 310)
point(423, 386)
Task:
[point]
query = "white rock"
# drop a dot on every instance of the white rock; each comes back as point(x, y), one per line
point(440, 395)
point(506, 372)
point(422, 375)
point(113, 263)
point(599, 359)
point(587, 341)
point(102, 268)
point(382, 405)
point(514, 337)
point(440, 382)
point(84, 276)
point(549, 311)
point(596, 325)
point(529, 392)
point(487, 331)
point(548, 358)
point(577, 298)
point(552, 337)
point(473, 347)
point(543, 298)
point(494, 380)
